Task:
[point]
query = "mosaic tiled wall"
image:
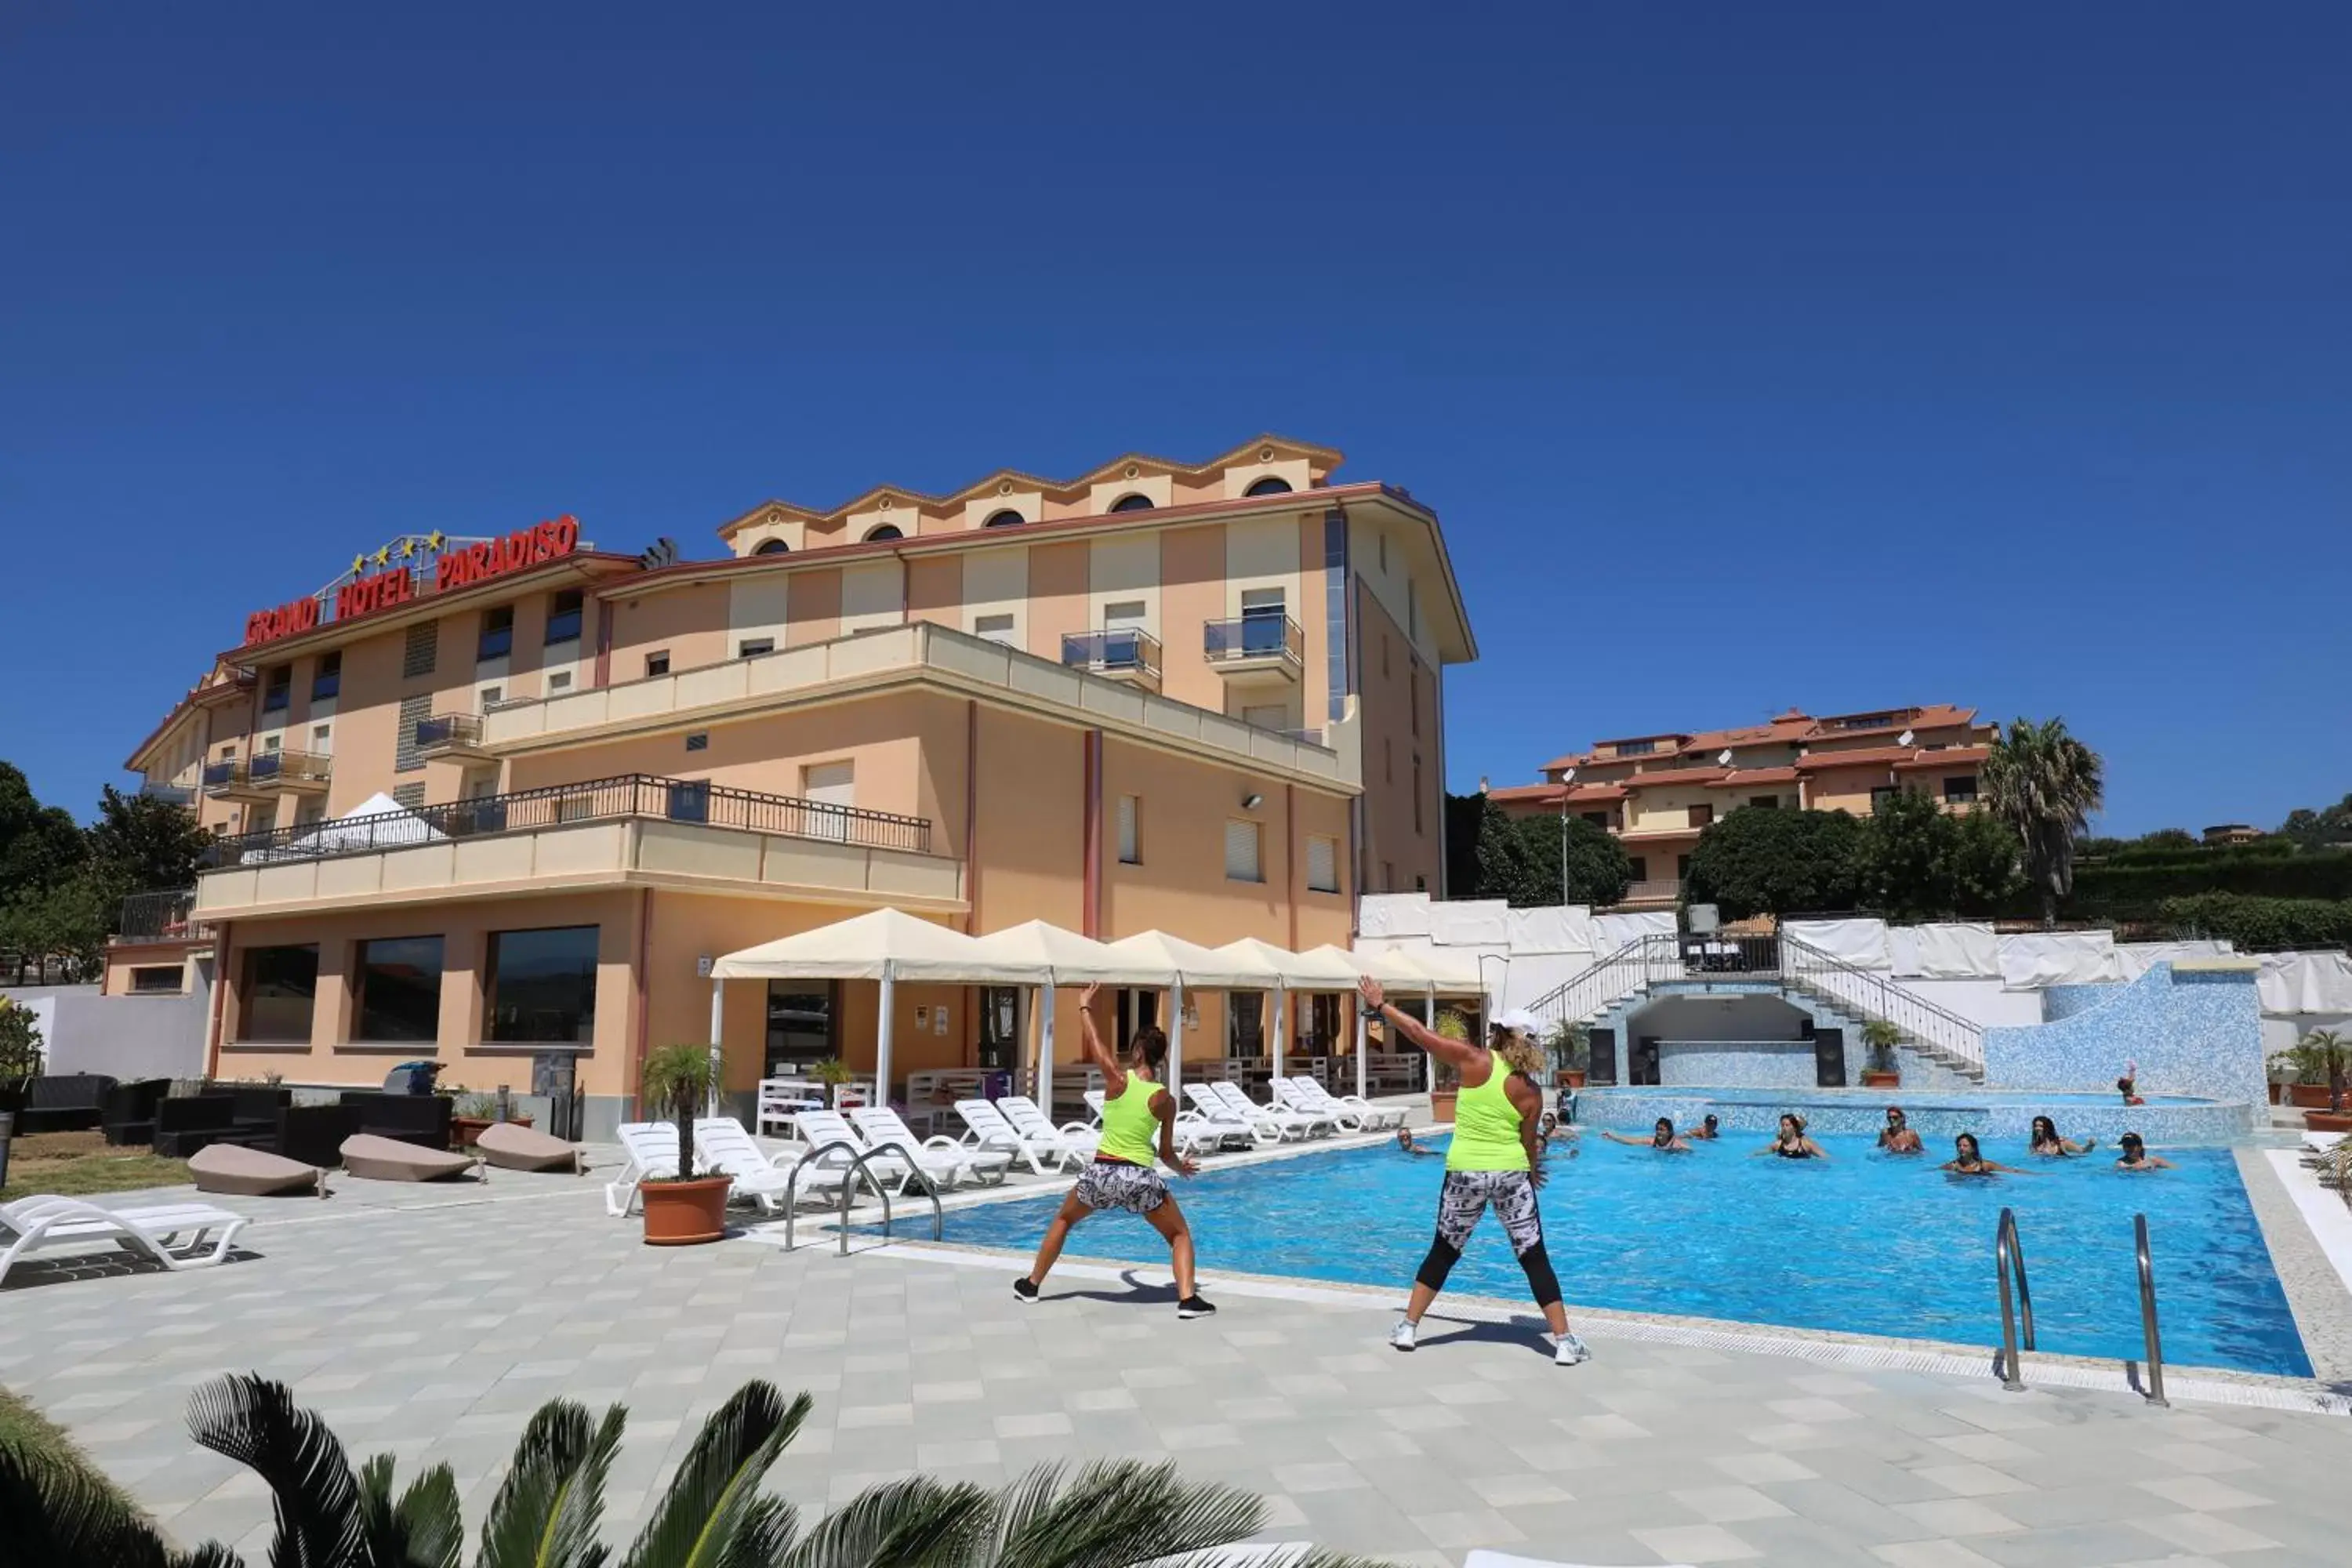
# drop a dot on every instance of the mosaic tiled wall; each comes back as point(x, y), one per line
point(2199, 1033)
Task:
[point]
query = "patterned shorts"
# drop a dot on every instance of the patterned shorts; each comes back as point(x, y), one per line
point(1465, 1196)
point(1116, 1185)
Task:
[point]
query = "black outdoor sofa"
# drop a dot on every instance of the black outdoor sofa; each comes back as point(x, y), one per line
point(419, 1119)
point(64, 1102)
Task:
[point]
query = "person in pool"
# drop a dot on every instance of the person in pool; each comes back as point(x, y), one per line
point(1897, 1137)
point(1552, 1130)
point(2128, 1085)
point(1710, 1127)
point(2135, 1156)
point(1790, 1142)
point(1407, 1144)
point(1967, 1160)
point(1662, 1138)
point(2045, 1141)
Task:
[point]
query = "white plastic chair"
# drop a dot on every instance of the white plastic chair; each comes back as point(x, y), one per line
point(724, 1148)
point(174, 1235)
point(1367, 1115)
point(652, 1150)
point(943, 1160)
point(986, 1128)
point(1031, 1122)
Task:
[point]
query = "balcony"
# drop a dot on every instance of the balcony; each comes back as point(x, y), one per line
point(1121, 653)
point(1257, 647)
point(1656, 894)
point(159, 917)
point(450, 735)
point(291, 773)
point(633, 830)
point(170, 794)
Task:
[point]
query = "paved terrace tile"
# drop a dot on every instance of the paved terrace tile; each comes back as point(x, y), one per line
point(429, 1322)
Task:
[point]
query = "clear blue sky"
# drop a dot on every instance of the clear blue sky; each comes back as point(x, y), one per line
point(1754, 354)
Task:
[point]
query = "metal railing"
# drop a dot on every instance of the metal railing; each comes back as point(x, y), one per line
point(2154, 1391)
point(1119, 650)
point(175, 795)
point(271, 770)
point(1875, 995)
point(859, 1162)
point(448, 729)
point(156, 916)
point(1639, 963)
point(559, 806)
point(1655, 890)
point(1251, 637)
point(2008, 1258)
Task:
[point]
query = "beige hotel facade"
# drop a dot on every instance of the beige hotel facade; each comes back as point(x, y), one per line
point(483, 800)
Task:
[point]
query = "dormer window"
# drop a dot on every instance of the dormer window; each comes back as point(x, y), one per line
point(773, 547)
point(1006, 519)
point(1131, 503)
point(883, 530)
point(1272, 485)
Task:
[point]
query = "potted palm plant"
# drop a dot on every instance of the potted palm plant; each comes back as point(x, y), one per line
point(2324, 1056)
point(1571, 1049)
point(1882, 1037)
point(831, 1072)
point(685, 1208)
point(1446, 1084)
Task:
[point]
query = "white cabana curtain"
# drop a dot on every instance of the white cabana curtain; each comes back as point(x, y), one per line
point(1956, 950)
point(2306, 983)
point(1860, 943)
point(2031, 961)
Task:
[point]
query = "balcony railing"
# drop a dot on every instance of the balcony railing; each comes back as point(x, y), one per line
point(158, 916)
point(1256, 640)
point(172, 794)
point(1665, 890)
point(289, 770)
point(448, 733)
point(559, 806)
point(1120, 650)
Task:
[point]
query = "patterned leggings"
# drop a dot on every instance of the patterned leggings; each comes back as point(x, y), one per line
point(1464, 1197)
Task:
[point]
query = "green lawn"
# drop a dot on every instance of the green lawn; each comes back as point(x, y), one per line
point(74, 1164)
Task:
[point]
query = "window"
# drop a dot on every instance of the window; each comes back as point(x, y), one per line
point(1700, 815)
point(1960, 791)
point(1241, 852)
point(1412, 609)
point(1267, 716)
point(657, 663)
point(1641, 865)
point(408, 796)
point(496, 639)
point(563, 616)
point(1131, 503)
point(399, 989)
point(149, 979)
point(752, 648)
point(1765, 802)
point(559, 681)
point(308, 812)
point(228, 753)
point(800, 1025)
point(1881, 795)
point(1384, 554)
point(541, 984)
point(1635, 748)
point(773, 547)
point(491, 697)
point(281, 985)
point(1130, 849)
point(1121, 614)
point(1597, 818)
point(422, 651)
point(414, 711)
point(699, 741)
point(688, 801)
point(830, 784)
point(273, 744)
point(1245, 1023)
point(1007, 518)
point(1272, 485)
point(277, 690)
point(880, 531)
point(328, 681)
point(323, 739)
point(1388, 876)
point(995, 628)
point(1322, 863)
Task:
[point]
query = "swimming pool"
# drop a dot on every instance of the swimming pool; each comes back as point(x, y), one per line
point(1863, 1243)
point(1938, 1113)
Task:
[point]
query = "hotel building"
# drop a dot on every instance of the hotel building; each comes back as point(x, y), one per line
point(1656, 794)
point(486, 799)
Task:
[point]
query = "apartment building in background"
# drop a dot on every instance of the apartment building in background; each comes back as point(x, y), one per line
point(478, 796)
point(1656, 794)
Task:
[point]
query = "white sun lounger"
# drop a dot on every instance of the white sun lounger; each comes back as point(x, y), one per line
point(943, 1159)
point(1028, 1118)
point(722, 1146)
point(1287, 1122)
point(1314, 1096)
point(1211, 1107)
point(652, 1150)
point(1195, 1134)
point(175, 1235)
point(988, 1128)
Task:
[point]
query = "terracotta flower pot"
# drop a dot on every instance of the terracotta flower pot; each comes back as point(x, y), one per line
point(2308, 1096)
point(2328, 1120)
point(1441, 1104)
point(1881, 1077)
point(681, 1213)
point(1568, 1077)
point(464, 1129)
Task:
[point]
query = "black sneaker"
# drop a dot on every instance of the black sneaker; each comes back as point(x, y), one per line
point(1023, 1291)
point(1193, 1307)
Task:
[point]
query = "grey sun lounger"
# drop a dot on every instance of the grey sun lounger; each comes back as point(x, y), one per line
point(513, 1148)
point(252, 1173)
point(377, 1158)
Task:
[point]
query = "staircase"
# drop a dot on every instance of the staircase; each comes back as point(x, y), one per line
point(1669, 963)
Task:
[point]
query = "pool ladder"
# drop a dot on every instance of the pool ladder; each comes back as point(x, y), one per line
point(2009, 1263)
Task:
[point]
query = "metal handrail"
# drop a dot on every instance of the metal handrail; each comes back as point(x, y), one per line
point(807, 1162)
point(916, 1173)
point(1907, 1010)
point(2155, 1390)
point(1112, 649)
point(1246, 636)
point(2009, 1256)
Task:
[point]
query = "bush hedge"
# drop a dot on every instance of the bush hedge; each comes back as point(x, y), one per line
point(2134, 889)
point(2260, 925)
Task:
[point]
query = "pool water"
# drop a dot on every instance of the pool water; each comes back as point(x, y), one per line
point(1862, 1243)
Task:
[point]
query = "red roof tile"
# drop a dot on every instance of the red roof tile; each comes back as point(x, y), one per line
point(1739, 777)
point(1950, 757)
point(1866, 757)
point(1675, 776)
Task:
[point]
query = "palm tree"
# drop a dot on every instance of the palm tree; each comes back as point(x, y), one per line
point(2045, 783)
point(1111, 1514)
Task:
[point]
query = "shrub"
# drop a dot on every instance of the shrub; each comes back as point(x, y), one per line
point(1756, 862)
point(2260, 925)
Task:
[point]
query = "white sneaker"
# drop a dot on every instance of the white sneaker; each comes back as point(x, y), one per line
point(1400, 1337)
point(1566, 1350)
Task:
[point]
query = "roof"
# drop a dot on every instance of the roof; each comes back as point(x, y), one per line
point(1862, 757)
point(1739, 777)
point(1949, 756)
point(1675, 776)
point(1526, 792)
point(1331, 459)
point(1791, 727)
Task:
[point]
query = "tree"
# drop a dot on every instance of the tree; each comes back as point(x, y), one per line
point(39, 844)
point(2316, 829)
point(2169, 839)
point(548, 1509)
point(1903, 858)
point(70, 919)
point(2045, 783)
point(141, 844)
point(1755, 861)
point(1983, 865)
point(1522, 859)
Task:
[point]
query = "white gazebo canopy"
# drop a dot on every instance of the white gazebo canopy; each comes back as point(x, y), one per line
point(1318, 969)
point(1202, 969)
point(1069, 959)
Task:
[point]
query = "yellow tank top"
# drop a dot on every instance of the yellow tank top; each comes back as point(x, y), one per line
point(1486, 1126)
point(1130, 1133)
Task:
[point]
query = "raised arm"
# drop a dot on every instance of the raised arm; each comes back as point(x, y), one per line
point(1101, 1055)
point(1453, 1053)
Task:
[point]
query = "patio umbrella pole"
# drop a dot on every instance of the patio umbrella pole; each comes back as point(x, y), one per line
point(1364, 1073)
point(1279, 997)
point(1175, 1039)
point(1428, 1063)
point(882, 1038)
point(718, 1043)
point(1045, 1050)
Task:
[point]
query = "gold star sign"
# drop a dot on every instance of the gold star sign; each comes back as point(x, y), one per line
point(359, 565)
point(408, 548)
point(383, 555)
point(436, 539)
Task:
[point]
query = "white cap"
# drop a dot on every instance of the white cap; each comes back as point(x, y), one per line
point(1519, 1021)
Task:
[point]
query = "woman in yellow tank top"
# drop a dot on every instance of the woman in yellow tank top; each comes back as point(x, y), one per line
point(1138, 1124)
point(1496, 1158)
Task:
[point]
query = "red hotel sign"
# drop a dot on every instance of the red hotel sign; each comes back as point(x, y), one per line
point(459, 567)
